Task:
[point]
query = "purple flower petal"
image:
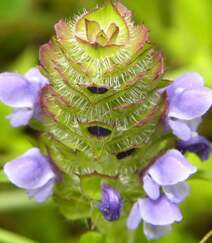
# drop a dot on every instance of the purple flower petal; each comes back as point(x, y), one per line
point(34, 76)
point(198, 145)
point(15, 91)
point(151, 188)
point(43, 193)
point(160, 211)
point(22, 92)
point(194, 123)
point(187, 81)
point(171, 168)
point(188, 101)
point(134, 217)
point(30, 171)
point(153, 232)
point(111, 203)
point(190, 104)
point(180, 129)
point(20, 117)
point(177, 193)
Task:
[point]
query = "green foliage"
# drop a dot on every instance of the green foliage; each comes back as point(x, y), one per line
point(92, 237)
point(9, 237)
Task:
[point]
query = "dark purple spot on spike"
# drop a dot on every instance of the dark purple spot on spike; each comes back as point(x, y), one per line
point(99, 131)
point(97, 90)
point(125, 154)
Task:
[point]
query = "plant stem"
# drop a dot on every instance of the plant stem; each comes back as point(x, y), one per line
point(9, 237)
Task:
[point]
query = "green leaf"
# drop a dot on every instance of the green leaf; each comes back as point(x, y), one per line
point(16, 199)
point(3, 177)
point(92, 237)
point(116, 231)
point(10, 237)
point(70, 200)
point(12, 10)
point(203, 175)
point(75, 208)
point(91, 186)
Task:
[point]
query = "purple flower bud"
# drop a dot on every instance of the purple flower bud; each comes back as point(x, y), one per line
point(188, 101)
point(198, 145)
point(111, 203)
point(158, 215)
point(32, 171)
point(22, 94)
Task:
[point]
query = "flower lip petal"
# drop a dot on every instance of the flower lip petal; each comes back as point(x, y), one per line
point(43, 193)
point(20, 117)
point(171, 168)
point(153, 232)
point(180, 129)
point(15, 91)
point(30, 171)
point(134, 217)
point(151, 187)
point(178, 192)
point(160, 211)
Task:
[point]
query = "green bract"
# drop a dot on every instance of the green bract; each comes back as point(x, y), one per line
point(103, 114)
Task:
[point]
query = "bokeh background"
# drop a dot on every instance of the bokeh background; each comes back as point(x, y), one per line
point(181, 28)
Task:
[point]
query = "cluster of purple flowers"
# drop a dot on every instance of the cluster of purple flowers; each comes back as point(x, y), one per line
point(188, 101)
point(164, 182)
point(31, 171)
point(165, 186)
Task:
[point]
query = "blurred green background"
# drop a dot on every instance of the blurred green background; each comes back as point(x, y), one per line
point(181, 28)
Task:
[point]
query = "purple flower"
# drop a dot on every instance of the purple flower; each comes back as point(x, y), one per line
point(158, 215)
point(111, 203)
point(32, 171)
point(196, 144)
point(188, 101)
point(22, 94)
point(171, 168)
point(160, 210)
point(169, 172)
